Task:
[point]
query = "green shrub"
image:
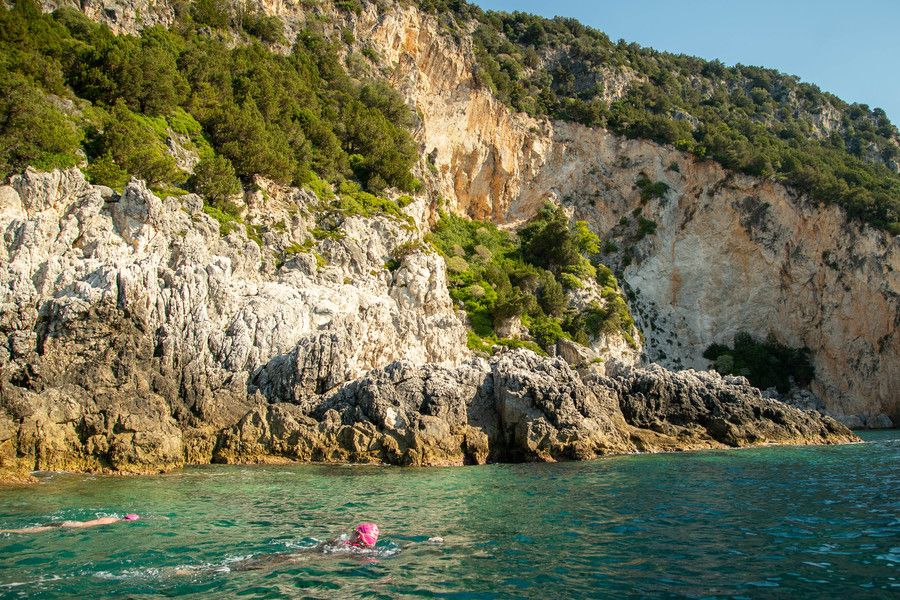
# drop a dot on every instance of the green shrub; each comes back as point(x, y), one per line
point(320, 188)
point(402, 251)
point(650, 190)
point(181, 122)
point(353, 6)
point(570, 282)
point(476, 343)
point(351, 200)
point(228, 221)
point(103, 170)
point(765, 363)
point(548, 242)
point(214, 13)
point(214, 179)
point(457, 264)
point(584, 239)
point(134, 143)
point(267, 28)
point(606, 278)
point(645, 227)
point(551, 296)
point(253, 146)
point(513, 343)
point(546, 331)
point(611, 318)
point(492, 274)
point(32, 130)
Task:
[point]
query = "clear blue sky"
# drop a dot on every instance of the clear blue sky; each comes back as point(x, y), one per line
point(850, 48)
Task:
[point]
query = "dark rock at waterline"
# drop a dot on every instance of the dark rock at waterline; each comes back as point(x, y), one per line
point(516, 406)
point(521, 407)
point(135, 338)
point(704, 405)
point(806, 399)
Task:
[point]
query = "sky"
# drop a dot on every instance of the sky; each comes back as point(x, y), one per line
point(850, 48)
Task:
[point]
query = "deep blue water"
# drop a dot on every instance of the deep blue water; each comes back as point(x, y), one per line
point(805, 522)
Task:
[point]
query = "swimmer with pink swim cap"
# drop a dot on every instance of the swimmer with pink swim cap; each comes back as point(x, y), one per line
point(365, 535)
point(74, 524)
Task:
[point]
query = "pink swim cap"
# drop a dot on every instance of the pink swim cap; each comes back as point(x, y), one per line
point(130, 517)
point(368, 534)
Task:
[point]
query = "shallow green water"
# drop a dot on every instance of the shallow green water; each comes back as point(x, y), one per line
point(769, 522)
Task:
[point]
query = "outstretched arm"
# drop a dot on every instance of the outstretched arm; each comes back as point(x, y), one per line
point(67, 524)
point(29, 529)
point(92, 523)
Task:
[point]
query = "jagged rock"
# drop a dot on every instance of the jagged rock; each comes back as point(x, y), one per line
point(851, 421)
point(403, 414)
point(518, 407)
point(161, 333)
point(547, 412)
point(574, 354)
point(708, 407)
point(510, 328)
point(881, 421)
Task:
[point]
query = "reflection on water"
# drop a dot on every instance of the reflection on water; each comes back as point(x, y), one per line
point(769, 522)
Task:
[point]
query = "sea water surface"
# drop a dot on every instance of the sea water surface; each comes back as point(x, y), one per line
point(779, 522)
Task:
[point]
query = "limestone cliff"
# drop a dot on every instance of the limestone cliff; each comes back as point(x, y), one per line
point(136, 331)
point(141, 334)
point(139, 338)
point(730, 253)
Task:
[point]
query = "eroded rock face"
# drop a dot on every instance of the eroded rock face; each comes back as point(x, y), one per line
point(730, 252)
point(519, 407)
point(706, 407)
point(138, 339)
point(134, 332)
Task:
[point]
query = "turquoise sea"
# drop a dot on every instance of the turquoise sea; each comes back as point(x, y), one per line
point(781, 522)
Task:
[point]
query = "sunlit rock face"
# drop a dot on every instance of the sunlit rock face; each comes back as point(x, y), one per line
point(139, 338)
point(136, 331)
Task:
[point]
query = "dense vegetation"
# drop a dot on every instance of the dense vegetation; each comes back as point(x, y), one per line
point(750, 119)
point(765, 363)
point(72, 91)
point(498, 276)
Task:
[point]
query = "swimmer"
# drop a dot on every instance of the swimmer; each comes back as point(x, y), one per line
point(361, 541)
point(74, 524)
point(364, 536)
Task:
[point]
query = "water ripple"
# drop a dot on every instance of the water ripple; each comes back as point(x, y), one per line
point(777, 522)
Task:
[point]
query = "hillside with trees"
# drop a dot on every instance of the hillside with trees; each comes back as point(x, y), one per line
point(75, 93)
point(750, 119)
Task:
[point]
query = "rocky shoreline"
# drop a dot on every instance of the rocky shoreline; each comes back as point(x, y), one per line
point(141, 332)
point(515, 407)
point(139, 339)
point(519, 407)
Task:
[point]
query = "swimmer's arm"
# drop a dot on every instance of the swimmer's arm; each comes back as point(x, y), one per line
point(66, 524)
point(92, 523)
point(29, 529)
point(432, 540)
point(267, 562)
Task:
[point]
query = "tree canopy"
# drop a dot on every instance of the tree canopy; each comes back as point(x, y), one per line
point(750, 119)
point(74, 90)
